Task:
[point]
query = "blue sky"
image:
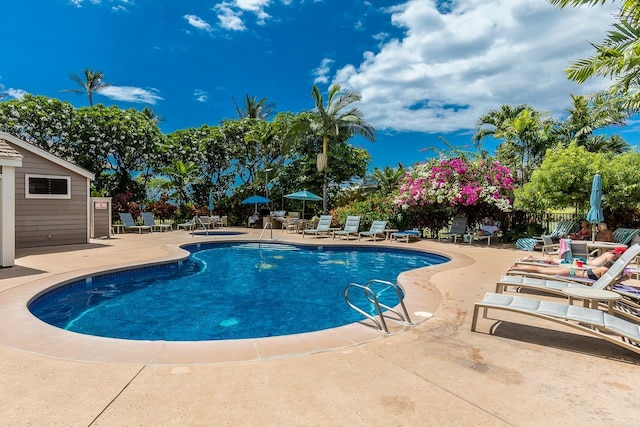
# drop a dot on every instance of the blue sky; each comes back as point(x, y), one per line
point(426, 69)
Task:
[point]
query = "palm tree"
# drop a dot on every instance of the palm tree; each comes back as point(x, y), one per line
point(524, 130)
point(92, 83)
point(617, 57)
point(588, 115)
point(254, 108)
point(332, 124)
point(388, 178)
point(155, 118)
point(496, 120)
point(180, 177)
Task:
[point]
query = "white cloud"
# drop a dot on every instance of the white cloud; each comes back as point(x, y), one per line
point(197, 22)
point(229, 18)
point(450, 68)
point(14, 93)
point(230, 12)
point(131, 94)
point(201, 95)
point(322, 72)
point(116, 8)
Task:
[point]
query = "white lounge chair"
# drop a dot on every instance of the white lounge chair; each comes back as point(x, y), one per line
point(189, 225)
point(323, 226)
point(130, 225)
point(149, 220)
point(595, 322)
point(376, 230)
point(351, 226)
point(557, 284)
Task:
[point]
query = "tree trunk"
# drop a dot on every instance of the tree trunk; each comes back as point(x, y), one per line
point(324, 194)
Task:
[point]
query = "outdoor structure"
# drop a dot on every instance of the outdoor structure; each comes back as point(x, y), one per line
point(100, 217)
point(10, 159)
point(45, 200)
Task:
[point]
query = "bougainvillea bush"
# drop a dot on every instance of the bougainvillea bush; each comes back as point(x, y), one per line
point(472, 188)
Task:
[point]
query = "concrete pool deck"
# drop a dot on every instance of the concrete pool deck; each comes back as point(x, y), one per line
point(529, 373)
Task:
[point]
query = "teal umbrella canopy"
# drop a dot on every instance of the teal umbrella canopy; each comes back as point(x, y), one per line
point(595, 214)
point(303, 195)
point(253, 200)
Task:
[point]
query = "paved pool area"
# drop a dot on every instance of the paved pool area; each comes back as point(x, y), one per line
point(528, 373)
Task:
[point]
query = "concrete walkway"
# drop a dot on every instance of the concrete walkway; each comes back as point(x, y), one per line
point(528, 373)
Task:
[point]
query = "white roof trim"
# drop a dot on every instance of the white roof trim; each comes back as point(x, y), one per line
point(16, 163)
point(45, 154)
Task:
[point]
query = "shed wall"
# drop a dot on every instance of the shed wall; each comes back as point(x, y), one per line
point(48, 222)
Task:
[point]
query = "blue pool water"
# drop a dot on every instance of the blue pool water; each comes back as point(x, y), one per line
point(227, 291)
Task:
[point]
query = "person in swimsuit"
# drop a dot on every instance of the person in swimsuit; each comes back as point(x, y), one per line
point(584, 233)
point(568, 270)
point(610, 256)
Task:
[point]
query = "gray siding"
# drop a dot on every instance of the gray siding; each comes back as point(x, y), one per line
point(47, 222)
point(101, 221)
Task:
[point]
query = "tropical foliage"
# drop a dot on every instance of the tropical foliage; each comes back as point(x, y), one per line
point(90, 84)
point(564, 179)
point(617, 57)
point(458, 184)
point(333, 123)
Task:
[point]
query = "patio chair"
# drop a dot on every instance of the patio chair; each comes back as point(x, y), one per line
point(558, 284)
point(580, 249)
point(595, 322)
point(149, 220)
point(549, 247)
point(189, 225)
point(405, 236)
point(624, 235)
point(323, 226)
point(376, 230)
point(130, 224)
point(458, 228)
point(351, 227)
point(486, 236)
point(562, 229)
point(603, 282)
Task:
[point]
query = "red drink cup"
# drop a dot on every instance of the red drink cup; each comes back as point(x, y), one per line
point(579, 263)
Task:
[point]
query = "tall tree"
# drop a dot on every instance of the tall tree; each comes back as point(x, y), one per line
point(153, 116)
point(180, 176)
point(388, 178)
point(525, 133)
point(587, 115)
point(336, 121)
point(92, 82)
point(618, 57)
point(254, 108)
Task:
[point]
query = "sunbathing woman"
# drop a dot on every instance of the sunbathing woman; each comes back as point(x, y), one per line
point(599, 261)
point(560, 270)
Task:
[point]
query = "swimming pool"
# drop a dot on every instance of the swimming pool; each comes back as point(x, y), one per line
point(226, 291)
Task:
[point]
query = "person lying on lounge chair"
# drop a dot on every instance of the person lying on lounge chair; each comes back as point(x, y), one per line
point(488, 228)
point(606, 257)
point(568, 271)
